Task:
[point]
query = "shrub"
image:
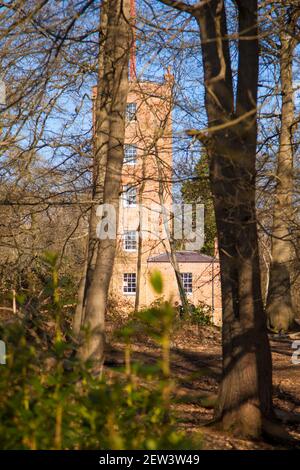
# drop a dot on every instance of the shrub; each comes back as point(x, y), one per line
point(49, 400)
point(201, 314)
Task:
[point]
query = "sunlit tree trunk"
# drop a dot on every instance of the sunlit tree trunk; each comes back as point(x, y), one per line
point(245, 396)
point(279, 300)
point(168, 231)
point(140, 242)
point(116, 61)
point(101, 112)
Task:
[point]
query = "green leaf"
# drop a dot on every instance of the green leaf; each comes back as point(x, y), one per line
point(50, 258)
point(156, 282)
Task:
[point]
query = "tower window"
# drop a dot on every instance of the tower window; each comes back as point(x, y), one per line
point(129, 196)
point(131, 112)
point(130, 240)
point(129, 283)
point(187, 282)
point(130, 154)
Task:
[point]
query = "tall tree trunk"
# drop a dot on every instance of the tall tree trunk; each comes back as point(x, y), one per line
point(279, 305)
point(101, 113)
point(245, 397)
point(140, 239)
point(167, 223)
point(139, 267)
point(116, 62)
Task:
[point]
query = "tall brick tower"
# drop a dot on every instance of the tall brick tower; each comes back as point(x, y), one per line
point(142, 241)
point(146, 183)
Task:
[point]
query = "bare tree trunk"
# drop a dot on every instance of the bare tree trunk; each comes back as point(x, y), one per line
point(279, 305)
point(167, 223)
point(116, 61)
point(140, 242)
point(175, 266)
point(245, 397)
point(138, 268)
point(101, 112)
point(78, 316)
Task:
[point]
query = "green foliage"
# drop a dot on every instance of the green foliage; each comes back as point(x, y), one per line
point(157, 282)
point(198, 190)
point(34, 287)
point(49, 400)
point(201, 314)
point(56, 409)
point(50, 258)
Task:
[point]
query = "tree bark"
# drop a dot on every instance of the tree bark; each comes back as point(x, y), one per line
point(116, 62)
point(101, 113)
point(140, 241)
point(245, 396)
point(167, 223)
point(279, 305)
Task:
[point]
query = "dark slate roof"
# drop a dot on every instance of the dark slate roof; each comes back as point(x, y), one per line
point(182, 257)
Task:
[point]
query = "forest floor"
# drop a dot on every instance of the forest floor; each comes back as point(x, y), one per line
point(196, 368)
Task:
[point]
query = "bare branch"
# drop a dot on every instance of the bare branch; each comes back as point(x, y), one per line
point(181, 6)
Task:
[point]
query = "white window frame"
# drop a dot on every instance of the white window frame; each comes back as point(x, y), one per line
point(126, 196)
point(130, 154)
point(129, 283)
point(130, 237)
point(131, 112)
point(187, 282)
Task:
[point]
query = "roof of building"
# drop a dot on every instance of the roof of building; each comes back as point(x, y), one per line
point(182, 257)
